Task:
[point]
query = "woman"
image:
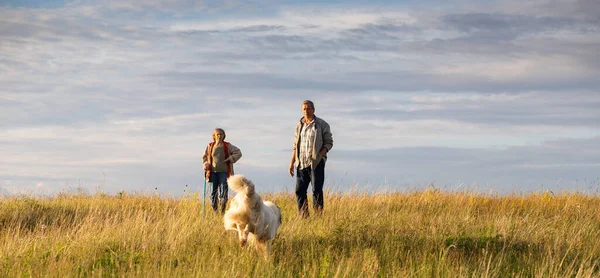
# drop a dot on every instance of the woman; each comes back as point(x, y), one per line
point(218, 160)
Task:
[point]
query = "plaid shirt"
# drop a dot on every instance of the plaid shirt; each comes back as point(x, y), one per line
point(307, 139)
point(322, 138)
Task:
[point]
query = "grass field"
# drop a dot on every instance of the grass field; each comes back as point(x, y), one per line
point(416, 234)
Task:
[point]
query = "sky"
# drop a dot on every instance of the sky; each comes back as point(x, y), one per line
point(498, 97)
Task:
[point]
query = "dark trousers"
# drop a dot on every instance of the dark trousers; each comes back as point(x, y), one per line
point(316, 177)
point(219, 193)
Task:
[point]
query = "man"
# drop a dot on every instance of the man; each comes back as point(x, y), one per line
point(312, 141)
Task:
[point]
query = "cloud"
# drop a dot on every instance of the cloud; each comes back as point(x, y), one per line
point(558, 164)
point(534, 109)
point(579, 9)
point(446, 92)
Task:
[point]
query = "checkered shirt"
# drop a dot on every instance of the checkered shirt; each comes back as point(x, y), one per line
point(307, 140)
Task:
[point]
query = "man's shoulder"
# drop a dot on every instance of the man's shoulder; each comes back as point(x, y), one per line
point(320, 121)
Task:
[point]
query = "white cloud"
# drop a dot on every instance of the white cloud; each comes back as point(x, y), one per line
point(303, 21)
point(462, 98)
point(134, 89)
point(526, 69)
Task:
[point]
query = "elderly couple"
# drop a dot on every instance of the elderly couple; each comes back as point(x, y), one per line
point(312, 141)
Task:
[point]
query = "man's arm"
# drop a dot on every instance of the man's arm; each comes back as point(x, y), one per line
point(292, 163)
point(327, 138)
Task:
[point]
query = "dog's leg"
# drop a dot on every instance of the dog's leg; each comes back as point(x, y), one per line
point(244, 240)
point(259, 245)
point(242, 234)
point(268, 248)
point(264, 248)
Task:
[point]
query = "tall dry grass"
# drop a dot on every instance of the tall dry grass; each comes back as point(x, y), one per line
point(416, 234)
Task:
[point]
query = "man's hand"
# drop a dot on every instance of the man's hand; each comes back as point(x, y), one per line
point(228, 159)
point(323, 151)
point(291, 170)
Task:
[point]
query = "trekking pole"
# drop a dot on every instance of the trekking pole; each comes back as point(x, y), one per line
point(204, 196)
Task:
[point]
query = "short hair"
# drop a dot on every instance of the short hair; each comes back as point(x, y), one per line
point(220, 130)
point(309, 102)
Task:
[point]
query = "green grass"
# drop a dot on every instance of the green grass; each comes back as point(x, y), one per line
point(416, 234)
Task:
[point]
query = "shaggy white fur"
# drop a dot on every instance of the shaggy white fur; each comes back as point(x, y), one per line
point(254, 220)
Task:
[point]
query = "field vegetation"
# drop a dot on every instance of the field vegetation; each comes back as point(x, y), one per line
point(427, 233)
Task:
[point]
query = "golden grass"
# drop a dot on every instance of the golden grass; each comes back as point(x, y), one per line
point(417, 234)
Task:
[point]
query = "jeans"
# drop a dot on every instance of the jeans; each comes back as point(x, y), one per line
point(219, 193)
point(316, 177)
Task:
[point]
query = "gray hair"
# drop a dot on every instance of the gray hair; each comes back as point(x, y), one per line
point(309, 102)
point(219, 130)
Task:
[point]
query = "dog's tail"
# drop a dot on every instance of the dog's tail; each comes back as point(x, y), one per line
point(241, 184)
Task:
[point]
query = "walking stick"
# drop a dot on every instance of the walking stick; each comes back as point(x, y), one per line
point(204, 196)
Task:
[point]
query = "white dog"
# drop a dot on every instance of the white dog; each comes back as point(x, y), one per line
point(254, 220)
